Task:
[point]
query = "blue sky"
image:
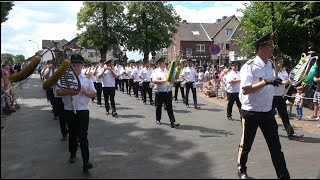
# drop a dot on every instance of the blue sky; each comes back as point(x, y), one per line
point(56, 20)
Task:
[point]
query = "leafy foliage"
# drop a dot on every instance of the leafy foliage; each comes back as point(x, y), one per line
point(297, 27)
point(7, 58)
point(5, 9)
point(151, 26)
point(103, 25)
point(19, 58)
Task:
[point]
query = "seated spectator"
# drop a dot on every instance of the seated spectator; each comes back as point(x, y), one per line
point(208, 89)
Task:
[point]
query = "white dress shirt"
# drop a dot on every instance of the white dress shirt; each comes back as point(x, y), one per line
point(260, 100)
point(80, 100)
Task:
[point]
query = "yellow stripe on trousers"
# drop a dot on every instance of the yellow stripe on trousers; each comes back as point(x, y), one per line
point(241, 144)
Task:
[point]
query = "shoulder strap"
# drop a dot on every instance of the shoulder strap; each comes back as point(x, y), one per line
point(250, 61)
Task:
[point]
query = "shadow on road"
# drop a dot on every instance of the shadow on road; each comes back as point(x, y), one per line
point(204, 130)
point(181, 111)
point(131, 116)
point(304, 139)
point(210, 109)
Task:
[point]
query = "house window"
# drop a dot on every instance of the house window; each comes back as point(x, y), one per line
point(189, 51)
point(195, 32)
point(228, 47)
point(200, 48)
point(229, 32)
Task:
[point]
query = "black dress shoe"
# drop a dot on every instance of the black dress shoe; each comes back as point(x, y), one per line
point(187, 105)
point(86, 167)
point(243, 175)
point(64, 137)
point(174, 124)
point(114, 114)
point(107, 113)
point(151, 103)
point(197, 107)
point(294, 135)
point(230, 118)
point(158, 122)
point(72, 159)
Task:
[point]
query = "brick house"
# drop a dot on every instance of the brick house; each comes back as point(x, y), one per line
point(193, 40)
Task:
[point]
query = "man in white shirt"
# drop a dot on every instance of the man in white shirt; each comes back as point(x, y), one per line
point(177, 86)
point(189, 75)
point(117, 69)
point(49, 92)
point(78, 122)
point(124, 79)
point(232, 79)
point(129, 70)
point(108, 76)
point(145, 76)
point(256, 93)
point(279, 102)
point(136, 80)
point(99, 81)
point(163, 91)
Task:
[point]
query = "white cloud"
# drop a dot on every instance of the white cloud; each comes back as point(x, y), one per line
point(209, 14)
point(37, 21)
point(197, 2)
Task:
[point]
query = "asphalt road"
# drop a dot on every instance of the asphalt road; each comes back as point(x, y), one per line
point(133, 146)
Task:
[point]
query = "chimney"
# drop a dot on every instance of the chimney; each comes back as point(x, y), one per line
point(224, 17)
point(184, 21)
point(218, 20)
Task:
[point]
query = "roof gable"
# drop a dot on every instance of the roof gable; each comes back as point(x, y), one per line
point(191, 32)
point(209, 29)
point(49, 44)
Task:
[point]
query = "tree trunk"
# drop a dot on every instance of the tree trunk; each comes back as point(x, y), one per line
point(145, 55)
point(103, 53)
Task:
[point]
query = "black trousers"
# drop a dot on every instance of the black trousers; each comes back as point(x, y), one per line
point(131, 86)
point(95, 87)
point(109, 92)
point(62, 120)
point(177, 86)
point(280, 103)
point(50, 95)
point(166, 98)
point(125, 81)
point(118, 82)
point(136, 89)
point(233, 97)
point(189, 85)
point(99, 92)
point(146, 88)
point(269, 128)
point(78, 128)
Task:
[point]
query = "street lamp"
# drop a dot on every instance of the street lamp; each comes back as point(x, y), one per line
point(34, 42)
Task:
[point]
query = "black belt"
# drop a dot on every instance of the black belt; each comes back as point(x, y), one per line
point(258, 112)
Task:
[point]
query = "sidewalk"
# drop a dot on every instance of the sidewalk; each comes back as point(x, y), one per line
point(307, 125)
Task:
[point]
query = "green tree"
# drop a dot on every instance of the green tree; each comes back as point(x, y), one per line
point(19, 58)
point(296, 26)
point(103, 25)
point(7, 58)
point(151, 26)
point(5, 9)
